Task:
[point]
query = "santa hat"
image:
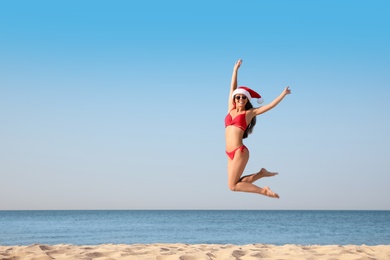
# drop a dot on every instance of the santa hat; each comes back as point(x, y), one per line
point(249, 93)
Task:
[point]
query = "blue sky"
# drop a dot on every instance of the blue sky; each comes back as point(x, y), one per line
point(120, 104)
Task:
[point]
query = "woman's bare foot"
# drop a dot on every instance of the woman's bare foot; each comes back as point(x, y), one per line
point(268, 192)
point(254, 177)
point(264, 173)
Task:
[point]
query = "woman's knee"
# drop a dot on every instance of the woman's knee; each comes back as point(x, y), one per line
point(232, 187)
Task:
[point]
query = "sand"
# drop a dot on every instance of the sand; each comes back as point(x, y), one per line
point(194, 252)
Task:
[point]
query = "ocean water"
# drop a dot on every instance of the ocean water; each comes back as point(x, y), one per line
point(195, 227)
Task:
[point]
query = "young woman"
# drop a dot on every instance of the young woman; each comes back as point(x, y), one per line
point(239, 123)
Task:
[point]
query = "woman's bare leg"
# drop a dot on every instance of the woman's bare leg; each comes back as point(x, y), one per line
point(249, 187)
point(236, 168)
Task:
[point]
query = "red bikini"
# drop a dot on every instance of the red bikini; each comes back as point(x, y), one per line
point(240, 122)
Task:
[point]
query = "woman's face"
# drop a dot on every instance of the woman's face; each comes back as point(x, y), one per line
point(240, 100)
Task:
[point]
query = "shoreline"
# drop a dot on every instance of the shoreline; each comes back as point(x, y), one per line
point(194, 251)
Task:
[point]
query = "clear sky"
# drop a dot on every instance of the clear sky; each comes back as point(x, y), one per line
point(121, 104)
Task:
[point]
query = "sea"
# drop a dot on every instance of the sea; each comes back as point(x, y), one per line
point(239, 227)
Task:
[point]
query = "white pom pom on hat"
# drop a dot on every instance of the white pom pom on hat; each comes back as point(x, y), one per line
point(249, 93)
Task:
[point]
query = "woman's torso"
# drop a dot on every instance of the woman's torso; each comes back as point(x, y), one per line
point(235, 125)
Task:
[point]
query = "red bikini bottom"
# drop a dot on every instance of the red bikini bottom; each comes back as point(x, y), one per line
point(232, 153)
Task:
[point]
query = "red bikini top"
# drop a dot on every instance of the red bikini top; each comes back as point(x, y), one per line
point(238, 121)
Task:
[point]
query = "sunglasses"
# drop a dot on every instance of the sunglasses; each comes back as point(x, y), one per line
point(240, 97)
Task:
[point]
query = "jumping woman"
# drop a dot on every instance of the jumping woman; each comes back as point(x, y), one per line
point(239, 123)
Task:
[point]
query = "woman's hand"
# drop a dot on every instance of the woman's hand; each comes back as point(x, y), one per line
point(287, 91)
point(237, 65)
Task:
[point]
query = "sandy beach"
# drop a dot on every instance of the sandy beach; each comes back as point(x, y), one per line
point(194, 252)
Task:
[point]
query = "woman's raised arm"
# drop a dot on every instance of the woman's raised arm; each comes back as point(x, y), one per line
point(274, 103)
point(233, 83)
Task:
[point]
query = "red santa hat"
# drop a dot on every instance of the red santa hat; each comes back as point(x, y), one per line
point(249, 93)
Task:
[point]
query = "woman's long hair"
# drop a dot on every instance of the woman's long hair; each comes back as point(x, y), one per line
point(249, 128)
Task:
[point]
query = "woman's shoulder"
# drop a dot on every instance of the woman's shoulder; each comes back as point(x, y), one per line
point(251, 110)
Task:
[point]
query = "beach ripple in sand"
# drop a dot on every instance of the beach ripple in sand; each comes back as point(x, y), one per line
point(194, 252)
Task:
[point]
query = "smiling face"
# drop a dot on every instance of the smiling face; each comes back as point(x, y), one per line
point(240, 100)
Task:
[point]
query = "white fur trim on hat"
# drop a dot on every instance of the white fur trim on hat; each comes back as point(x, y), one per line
point(241, 91)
